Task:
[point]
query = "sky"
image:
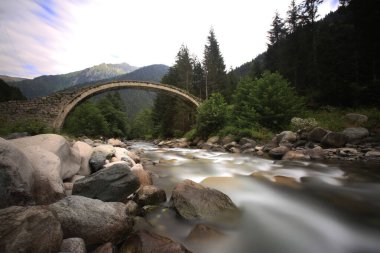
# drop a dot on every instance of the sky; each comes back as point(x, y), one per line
point(48, 37)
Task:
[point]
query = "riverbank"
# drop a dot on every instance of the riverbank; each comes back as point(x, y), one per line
point(350, 144)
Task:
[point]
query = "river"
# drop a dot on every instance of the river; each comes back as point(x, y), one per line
point(287, 207)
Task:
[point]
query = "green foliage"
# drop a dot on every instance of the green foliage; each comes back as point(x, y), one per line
point(111, 107)
point(212, 115)
point(268, 101)
point(86, 119)
point(215, 69)
point(234, 131)
point(103, 118)
point(142, 125)
point(31, 126)
point(257, 133)
point(191, 134)
point(334, 119)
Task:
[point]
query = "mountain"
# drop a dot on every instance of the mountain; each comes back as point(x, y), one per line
point(152, 73)
point(134, 99)
point(9, 93)
point(10, 79)
point(45, 85)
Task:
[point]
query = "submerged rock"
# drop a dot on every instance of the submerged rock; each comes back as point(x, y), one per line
point(29, 229)
point(204, 233)
point(150, 195)
point(194, 201)
point(148, 242)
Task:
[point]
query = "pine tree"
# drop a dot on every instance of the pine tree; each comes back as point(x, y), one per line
point(213, 65)
point(293, 19)
point(278, 30)
point(184, 68)
point(198, 79)
point(310, 11)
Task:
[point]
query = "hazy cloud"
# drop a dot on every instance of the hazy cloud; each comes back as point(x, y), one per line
point(55, 36)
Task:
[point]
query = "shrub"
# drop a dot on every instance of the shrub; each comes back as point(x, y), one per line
point(303, 124)
point(190, 135)
point(31, 126)
point(212, 115)
point(269, 101)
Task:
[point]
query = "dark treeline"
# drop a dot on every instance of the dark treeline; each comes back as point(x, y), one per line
point(332, 61)
point(9, 93)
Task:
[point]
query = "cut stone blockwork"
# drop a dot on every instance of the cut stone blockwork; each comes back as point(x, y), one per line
point(54, 109)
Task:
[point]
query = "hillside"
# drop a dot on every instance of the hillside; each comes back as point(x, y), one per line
point(45, 85)
point(333, 61)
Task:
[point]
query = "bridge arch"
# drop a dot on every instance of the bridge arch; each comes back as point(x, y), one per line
point(90, 91)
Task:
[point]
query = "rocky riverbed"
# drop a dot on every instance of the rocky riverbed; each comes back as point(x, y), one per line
point(90, 196)
point(352, 144)
point(94, 196)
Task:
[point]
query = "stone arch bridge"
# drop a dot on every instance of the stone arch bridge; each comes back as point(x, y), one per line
point(53, 109)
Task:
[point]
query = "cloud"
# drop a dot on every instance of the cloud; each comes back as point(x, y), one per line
point(57, 36)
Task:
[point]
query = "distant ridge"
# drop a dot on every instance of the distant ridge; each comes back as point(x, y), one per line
point(10, 79)
point(45, 85)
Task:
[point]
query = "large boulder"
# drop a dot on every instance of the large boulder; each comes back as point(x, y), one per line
point(194, 201)
point(143, 175)
point(148, 242)
point(334, 140)
point(48, 185)
point(278, 152)
point(356, 119)
point(16, 176)
point(58, 145)
point(92, 220)
point(317, 134)
point(245, 140)
point(85, 152)
point(355, 133)
point(75, 245)
point(115, 183)
point(213, 140)
point(150, 195)
point(29, 229)
point(286, 136)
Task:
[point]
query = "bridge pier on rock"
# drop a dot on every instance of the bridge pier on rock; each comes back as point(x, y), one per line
point(54, 109)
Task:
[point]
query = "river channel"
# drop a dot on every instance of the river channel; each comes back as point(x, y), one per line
point(287, 207)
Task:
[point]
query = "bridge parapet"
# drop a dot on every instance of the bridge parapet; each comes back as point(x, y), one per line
point(53, 109)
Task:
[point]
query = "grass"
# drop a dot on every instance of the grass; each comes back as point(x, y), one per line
point(333, 119)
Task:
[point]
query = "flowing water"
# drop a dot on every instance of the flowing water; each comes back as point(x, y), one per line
point(295, 207)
